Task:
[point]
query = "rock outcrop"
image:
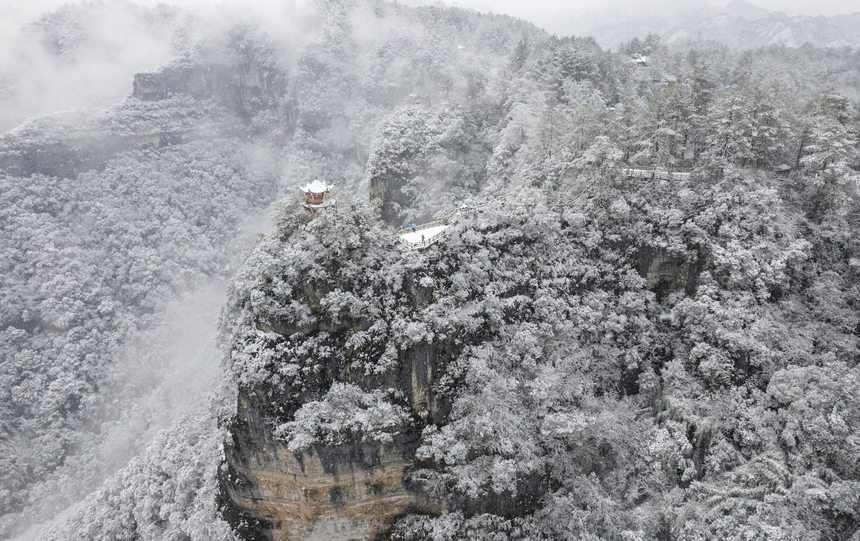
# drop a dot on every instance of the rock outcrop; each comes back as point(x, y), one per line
point(245, 88)
point(354, 490)
point(665, 272)
point(173, 106)
point(350, 491)
point(387, 190)
point(334, 302)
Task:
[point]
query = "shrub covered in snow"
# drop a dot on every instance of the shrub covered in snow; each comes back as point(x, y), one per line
point(345, 413)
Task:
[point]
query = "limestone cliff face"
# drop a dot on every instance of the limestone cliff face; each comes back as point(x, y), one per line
point(388, 191)
point(245, 88)
point(174, 105)
point(177, 104)
point(334, 301)
point(351, 491)
point(355, 490)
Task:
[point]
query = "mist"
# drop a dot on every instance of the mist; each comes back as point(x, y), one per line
point(162, 376)
point(59, 58)
point(78, 59)
point(157, 362)
point(538, 10)
point(57, 55)
point(165, 375)
point(91, 60)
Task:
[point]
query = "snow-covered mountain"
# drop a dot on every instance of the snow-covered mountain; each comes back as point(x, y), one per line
point(638, 318)
point(740, 24)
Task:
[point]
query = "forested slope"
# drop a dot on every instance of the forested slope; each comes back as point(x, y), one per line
point(582, 355)
point(111, 217)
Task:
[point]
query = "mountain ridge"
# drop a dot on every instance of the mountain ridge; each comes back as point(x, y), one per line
point(740, 24)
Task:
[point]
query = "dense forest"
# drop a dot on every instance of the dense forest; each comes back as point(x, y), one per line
point(585, 354)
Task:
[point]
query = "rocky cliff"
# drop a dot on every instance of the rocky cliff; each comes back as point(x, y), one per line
point(336, 302)
point(356, 487)
point(354, 490)
point(348, 324)
point(174, 105)
point(246, 87)
point(66, 145)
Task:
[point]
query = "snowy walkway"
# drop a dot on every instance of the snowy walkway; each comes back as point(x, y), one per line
point(423, 236)
point(655, 174)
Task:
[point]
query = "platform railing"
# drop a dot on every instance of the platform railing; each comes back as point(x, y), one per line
point(655, 174)
point(426, 242)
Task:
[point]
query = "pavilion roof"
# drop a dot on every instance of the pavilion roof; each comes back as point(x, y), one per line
point(316, 186)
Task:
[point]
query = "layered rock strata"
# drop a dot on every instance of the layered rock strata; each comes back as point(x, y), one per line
point(351, 491)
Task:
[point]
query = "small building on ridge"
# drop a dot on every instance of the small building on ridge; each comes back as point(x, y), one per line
point(317, 196)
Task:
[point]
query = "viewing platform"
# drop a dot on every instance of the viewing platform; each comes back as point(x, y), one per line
point(655, 174)
point(419, 237)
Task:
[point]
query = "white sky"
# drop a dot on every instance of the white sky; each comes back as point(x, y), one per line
point(53, 87)
point(518, 8)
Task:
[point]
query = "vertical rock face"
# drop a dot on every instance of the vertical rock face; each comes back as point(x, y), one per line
point(149, 87)
point(665, 272)
point(245, 88)
point(354, 490)
point(304, 463)
point(350, 491)
point(67, 144)
point(387, 190)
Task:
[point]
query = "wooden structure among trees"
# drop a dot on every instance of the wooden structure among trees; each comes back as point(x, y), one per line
point(316, 196)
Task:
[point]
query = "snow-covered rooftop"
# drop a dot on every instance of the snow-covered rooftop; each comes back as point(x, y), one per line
point(317, 186)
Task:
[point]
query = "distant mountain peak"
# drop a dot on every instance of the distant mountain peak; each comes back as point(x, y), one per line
point(738, 24)
point(746, 10)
